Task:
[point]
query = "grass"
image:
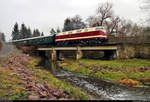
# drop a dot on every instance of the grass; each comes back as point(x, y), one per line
point(113, 70)
point(132, 63)
point(42, 74)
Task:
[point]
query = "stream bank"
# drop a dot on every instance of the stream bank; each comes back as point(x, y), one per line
point(99, 89)
point(130, 72)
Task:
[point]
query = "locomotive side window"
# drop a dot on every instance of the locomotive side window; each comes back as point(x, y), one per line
point(78, 31)
point(86, 30)
point(98, 29)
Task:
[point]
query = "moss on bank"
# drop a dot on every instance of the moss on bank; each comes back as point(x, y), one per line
point(10, 88)
point(114, 70)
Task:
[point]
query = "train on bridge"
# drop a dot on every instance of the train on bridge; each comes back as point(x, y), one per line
point(86, 36)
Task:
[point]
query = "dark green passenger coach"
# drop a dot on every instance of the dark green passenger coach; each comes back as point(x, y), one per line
point(42, 40)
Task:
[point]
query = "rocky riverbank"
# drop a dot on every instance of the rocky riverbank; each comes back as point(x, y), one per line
point(22, 79)
point(33, 83)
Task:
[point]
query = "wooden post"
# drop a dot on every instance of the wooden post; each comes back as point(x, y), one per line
point(78, 53)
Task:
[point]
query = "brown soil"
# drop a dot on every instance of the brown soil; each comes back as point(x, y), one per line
point(99, 68)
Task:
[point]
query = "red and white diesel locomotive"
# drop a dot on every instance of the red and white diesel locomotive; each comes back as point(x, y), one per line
point(94, 35)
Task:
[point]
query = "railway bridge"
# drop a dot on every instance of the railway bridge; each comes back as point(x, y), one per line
point(56, 52)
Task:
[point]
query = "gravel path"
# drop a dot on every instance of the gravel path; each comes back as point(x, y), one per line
point(8, 49)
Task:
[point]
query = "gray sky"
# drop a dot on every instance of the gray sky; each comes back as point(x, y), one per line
point(47, 14)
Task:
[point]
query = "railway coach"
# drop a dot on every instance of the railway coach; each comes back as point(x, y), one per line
point(41, 40)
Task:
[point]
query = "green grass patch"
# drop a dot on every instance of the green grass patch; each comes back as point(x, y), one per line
point(132, 63)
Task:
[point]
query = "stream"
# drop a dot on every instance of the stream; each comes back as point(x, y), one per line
point(98, 89)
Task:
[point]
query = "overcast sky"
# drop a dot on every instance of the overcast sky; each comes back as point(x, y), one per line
point(47, 14)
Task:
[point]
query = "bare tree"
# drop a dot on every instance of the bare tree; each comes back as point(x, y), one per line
point(112, 25)
point(118, 29)
point(104, 12)
point(145, 7)
point(73, 23)
point(92, 21)
point(77, 22)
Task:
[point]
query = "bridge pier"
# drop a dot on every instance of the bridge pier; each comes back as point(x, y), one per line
point(53, 55)
point(79, 53)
